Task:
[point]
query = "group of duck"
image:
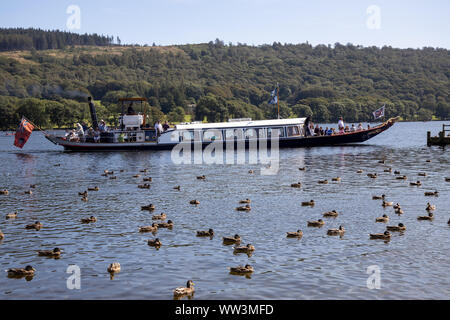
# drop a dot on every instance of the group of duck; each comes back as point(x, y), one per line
point(188, 290)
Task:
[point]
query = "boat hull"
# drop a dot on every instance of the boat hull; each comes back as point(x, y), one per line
point(294, 142)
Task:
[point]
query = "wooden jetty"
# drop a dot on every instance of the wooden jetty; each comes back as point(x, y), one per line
point(441, 139)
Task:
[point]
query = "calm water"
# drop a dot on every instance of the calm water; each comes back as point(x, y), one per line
point(413, 265)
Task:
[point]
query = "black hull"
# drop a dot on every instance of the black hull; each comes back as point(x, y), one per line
point(301, 142)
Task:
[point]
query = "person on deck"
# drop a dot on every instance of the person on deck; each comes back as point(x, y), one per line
point(317, 130)
point(79, 130)
point(130, 110)
point(165, 126)
point(353, 129)
point(360, 127)
point(102, 126)
point(341, 125)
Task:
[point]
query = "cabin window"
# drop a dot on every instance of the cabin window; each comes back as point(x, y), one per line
point(262, 133)
point(270, 131)
point(175, 136)
point(187, 135)
point(250, 134)
point(212, 135)
point(293, 131)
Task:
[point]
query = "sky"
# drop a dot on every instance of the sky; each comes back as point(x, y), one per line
point(396, 23)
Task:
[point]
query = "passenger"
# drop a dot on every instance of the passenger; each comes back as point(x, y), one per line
point(316, 130)
point(321, 131)
point(333, 131)
point(341, 125)
point(90, 133)
point(347, 129)
point(130, 110)
point(353, 129)
point(360, 127)
point(84, 126)
point(79, 130)
point(158, 128)
point(368, 126)
point(96, 135)
point(166, 126)
point(102, 126)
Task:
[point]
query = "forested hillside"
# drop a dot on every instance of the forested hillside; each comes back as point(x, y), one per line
point(218, 81)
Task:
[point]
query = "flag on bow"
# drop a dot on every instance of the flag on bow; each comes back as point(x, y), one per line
point(274, 96)
point(23, 133)
point(379, 112)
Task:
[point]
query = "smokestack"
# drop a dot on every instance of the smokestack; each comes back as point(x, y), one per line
point(93, 113)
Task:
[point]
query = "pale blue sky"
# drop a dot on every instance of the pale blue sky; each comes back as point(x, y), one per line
point(403, 23)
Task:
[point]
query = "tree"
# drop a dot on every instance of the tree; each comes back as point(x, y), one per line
point(177, 115)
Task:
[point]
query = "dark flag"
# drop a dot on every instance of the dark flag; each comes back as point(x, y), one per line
point(23, 133)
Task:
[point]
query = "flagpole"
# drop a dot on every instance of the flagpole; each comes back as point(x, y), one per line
point(278, 100)
point(45, 132)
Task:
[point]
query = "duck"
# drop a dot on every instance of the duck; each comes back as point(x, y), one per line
point(431, 194)
point(113, 177)
point(184, 291)
point(401, 177)
point(36, 226)
point(154, 243)
point(430, 207)
point(232, 240)
point(396, 172)
point(302, 169)
point(94, 189)
point(399, 211)
point(28, 192)
point(323, 181)
point(336, 232)
point(201, 177)
point(168, 224)
point(150, 207)
point(143, 170)
point(196, 202)
point(144, 186)
point(359, 171)
point(242, 270)
point(114, 267)
point(149, 179)
point(297, 234)
point(177, 188)
point(447, 179)
point(244, 208)
point(428, 160)
point(319, 223)
point(89, 220)
point(417, 183)
point(388, 170)
point(245, 249)
point(332, 213)
point(161, 216)
point(137, 176)
point(245, 201)
point(250, 171)
point(208, 233)
point(336, 179)
point(396, 206)
point(152, 228)
point(83, 194)
point(4, 192)
point(383, 218)
point(430, 217)
point(296, 185)
point(32, 186)
point(399, 227)
point(12, 215)
point(384, 236)
point(387, 203)
point(422, 174)
point(381, 161)
point(85, 199)
point(21, 272)
point(378, 197)
point(2, 235)
point(372, 175)
point(308, 203)
point(55, 253)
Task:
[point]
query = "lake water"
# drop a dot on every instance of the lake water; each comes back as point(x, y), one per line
point(412, 265)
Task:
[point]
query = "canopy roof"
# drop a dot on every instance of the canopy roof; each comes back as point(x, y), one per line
point(241, 124)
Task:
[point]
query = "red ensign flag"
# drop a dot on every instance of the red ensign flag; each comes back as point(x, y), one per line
point(23, 133)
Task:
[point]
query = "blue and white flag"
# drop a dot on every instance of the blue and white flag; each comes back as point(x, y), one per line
point(274, 100)
point(379, 112)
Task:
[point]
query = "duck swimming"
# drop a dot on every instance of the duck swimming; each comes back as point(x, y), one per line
point(161, 216)
point(336, 232)
point(85, 199)
point(28, 192)
point(150, 207)
point(297, 234)
point(196, 202)
point(308, 203)
point(302, 169)
point(89, 220)
point(429, 217)
point(359, 171)
point(21, 272)
point(388, 170)
point(147, 179)
point(246, 249)
point(12, 215)
point(400, 227)
point(319, 223)
point(372, 175)
point(378, 197)
point(432, 194)
point(245, 201)
point(209, 233)
point(4, 192)
point(422, 174)
point(2, 235)
point(94, 189)
point(323, 181)
point(114, 267)
point(384, 236)
point(184, 291)
point(168, 224)
point(144, 186)
point(384, 218)
point(154, 243)
point(177, 188)
point(55, 253)
point(417, 183)
point(332, 213)
point(84, 194)
point(201, 177)
point(241, 270)
point(336, 179)
point(296, 185)
point(387, 203)
point(401, 178)
point(244, 208)
point(36, 226)
point(430, 207)
point(232, 240)
point(399, 211)
point(396, 206)
point(152, 228)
